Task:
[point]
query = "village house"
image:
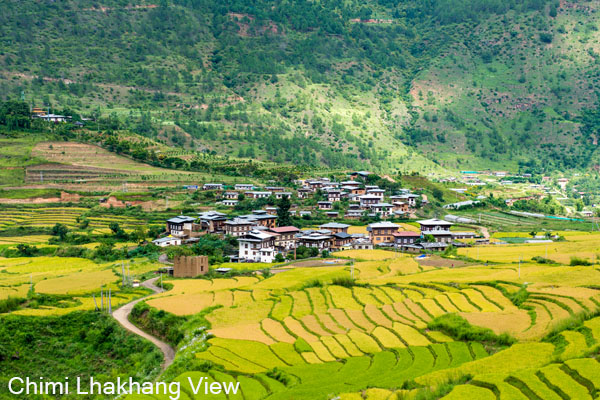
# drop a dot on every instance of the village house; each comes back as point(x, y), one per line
point(229, 203)
point(400, 206)
point(332, 214)
point(304, 193)
point(286, 239)
point(317, 240)
point(409, 198)
point(261, 217)
point(360, 174)
point(314, 185)
point(239, 226)
point(280, 195)
point(212, 186)
point(334, 195)
point(383, 209)
point(376, 192)
point(274, 189)
point(325, 205)
point(231, 195)
point(405, 238)
point(361, 244)
point(425, 247)
point(181, 226)
point(243, 186)
point(462, 235)
point(368, 200)
point(335, 227)
point(257, 194)
point(382, 232)
point(438, 228)
point(271, 210)
point(354, 213)
point(350, 184)
point(212, 221)
point(305, 213)
point(53, 117)
point(167, 241)
point(257, 246)
point(340, 240)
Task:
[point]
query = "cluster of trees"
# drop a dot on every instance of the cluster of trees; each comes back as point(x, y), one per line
point(15, 115)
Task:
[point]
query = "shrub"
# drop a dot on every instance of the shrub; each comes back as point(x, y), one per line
point(579, 261)
point(519, 297)
point(313, 283)
point(546, 37)
point(542, 260)
point(10, 304)
point(459, 329)
point(344, 281)
point(302, 346)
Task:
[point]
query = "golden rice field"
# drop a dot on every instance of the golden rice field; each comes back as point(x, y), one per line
point(577, 244)
point(332, 336)
point(363, 341)
point(76, 278)
point(49, 216)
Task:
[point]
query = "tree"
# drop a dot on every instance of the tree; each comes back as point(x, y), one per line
point(59, 230)
point(140, 233)
point(438, 194)
point(15, 114)
point(283, 212)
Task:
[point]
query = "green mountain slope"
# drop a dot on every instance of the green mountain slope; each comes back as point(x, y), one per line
point(387, 85)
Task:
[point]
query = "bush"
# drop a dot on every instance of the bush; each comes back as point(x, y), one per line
point(10, 304)
point(158, 323)
point(519, 297)
point(579, 261)
point(542, 260)
point(345, 281)
point(459, 329)
point(546, 37)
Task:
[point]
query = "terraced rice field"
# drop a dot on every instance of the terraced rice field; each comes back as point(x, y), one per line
point(49, 216)
point(573, 377)
point(75, 279)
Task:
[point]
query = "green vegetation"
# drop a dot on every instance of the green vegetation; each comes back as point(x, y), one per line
point(357, 84)
point(78, 344)
point(458, 328)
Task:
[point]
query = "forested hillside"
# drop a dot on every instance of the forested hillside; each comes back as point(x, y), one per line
point(387, 85)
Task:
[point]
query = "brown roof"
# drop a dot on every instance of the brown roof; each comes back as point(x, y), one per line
point(406, 234)
point(285, 229)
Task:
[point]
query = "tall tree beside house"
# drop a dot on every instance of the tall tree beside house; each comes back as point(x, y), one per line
point(15, 114)
point(283, 211)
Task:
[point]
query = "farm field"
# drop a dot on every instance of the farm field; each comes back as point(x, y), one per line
point(361, 328)
point(71, 282)
point(45, 217)
point(308, 333)
point(576, 244)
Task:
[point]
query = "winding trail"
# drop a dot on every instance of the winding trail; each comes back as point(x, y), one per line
point(122, 316)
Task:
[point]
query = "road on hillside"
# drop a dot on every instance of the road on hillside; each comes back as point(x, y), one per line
point(122, 316)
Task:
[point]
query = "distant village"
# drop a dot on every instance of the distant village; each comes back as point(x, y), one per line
point(261, 240)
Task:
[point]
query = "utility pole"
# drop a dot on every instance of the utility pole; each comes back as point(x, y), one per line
point(109, 302)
